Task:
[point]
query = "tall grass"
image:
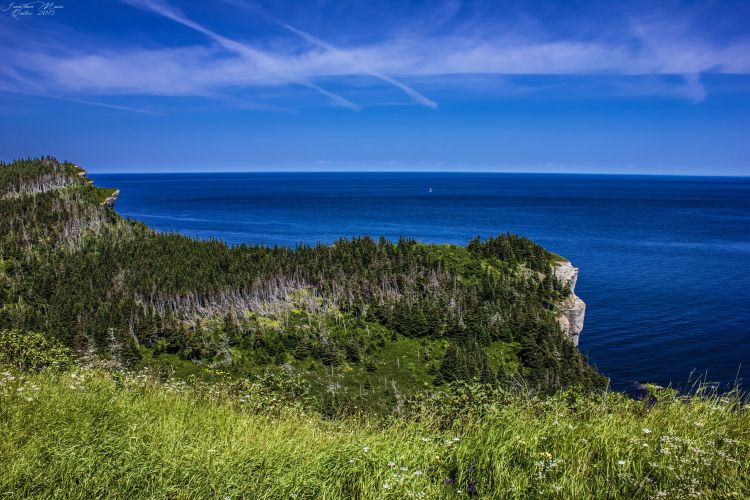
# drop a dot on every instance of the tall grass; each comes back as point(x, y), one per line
point(91, 434)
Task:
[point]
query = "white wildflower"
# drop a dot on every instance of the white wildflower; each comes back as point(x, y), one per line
point(646, 430)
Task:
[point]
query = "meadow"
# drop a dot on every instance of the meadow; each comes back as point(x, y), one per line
point(96, 433)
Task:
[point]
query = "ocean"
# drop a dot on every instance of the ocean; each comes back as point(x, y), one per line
point(664, 261)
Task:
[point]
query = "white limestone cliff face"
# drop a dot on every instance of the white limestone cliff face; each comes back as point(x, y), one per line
point(572, 310)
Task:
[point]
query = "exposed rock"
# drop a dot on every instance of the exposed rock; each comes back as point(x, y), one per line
point(110, 201)
point(572, 310)
point(568, 274)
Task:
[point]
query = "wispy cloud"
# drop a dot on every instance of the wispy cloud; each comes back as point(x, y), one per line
point(363, 67)
point(77, 100)
point(256, 58)
point(439, 55)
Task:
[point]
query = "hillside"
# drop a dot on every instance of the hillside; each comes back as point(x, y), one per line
point(135, 364)
point(360, 319)
point(87, 433)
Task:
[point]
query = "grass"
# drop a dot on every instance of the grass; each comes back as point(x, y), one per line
point(101, 194)
point(92, 433)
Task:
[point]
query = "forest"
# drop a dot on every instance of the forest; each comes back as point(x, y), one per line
point(362, 318)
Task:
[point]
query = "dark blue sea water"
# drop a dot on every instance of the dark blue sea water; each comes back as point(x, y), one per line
point(665, 261)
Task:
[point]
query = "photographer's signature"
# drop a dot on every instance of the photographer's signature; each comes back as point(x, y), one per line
point(17, 10)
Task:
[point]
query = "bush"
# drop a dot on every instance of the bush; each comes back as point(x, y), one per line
point(30, 351)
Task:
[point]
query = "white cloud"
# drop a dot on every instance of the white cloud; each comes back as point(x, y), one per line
point(222, 65)
point(256, 59)
point(361, 66)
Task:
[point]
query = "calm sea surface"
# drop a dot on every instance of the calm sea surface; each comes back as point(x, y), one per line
point(665, 261)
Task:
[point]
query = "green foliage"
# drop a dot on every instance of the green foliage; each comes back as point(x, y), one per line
point(363, 369)
point(32, 351)
point(101, 194)
point(95, 434)
point(513, 249)
point(70, 267)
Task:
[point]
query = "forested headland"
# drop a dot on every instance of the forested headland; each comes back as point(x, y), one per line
point(139, 364)
point(359, 317)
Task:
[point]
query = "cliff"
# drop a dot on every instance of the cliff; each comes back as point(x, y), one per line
point(572, 310)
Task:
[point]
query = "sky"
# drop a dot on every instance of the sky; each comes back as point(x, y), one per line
point(237, 85)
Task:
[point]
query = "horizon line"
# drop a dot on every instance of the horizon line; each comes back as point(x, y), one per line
point(501, 172)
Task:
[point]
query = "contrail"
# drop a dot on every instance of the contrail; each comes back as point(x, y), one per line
point(259, 57)
point(416, 96)
point(82, 101)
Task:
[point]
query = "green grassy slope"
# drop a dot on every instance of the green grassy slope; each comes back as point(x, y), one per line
point(94, 434)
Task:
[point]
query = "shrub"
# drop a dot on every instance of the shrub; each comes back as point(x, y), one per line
point(32, 351)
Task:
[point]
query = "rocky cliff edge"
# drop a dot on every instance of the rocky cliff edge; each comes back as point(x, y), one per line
point(572, 310)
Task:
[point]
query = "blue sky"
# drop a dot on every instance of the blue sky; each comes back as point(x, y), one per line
point(153, 85)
